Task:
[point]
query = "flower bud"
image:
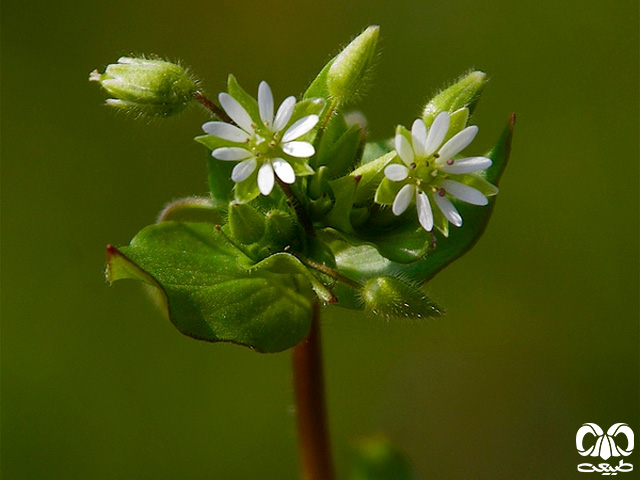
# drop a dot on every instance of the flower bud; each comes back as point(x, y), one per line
point(246, 224)
point(391, 297)
point(146, 86)
point(281, 227)
point(349, 70)
point(464, 93)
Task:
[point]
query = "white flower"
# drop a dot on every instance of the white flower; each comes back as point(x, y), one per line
point(428, 165)
point(263, 139)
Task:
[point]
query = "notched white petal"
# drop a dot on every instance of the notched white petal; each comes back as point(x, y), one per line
point(265, 103)
point(464, 192)
point(226, 131)
point(231, 154)
point(437, 132)
point(300, 127)
point(242, 170)
point(458, 142)
point(284, 171)
point(265, 179)
point(419, 137)
point(403, 199)
point(448, 210)
point(298, 149)
point(284, 113)
point(404, 149)
point(465, 165)
point(425, 214)
point(396, 172)
point(236, 111)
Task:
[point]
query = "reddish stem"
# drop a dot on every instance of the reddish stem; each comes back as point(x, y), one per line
point(313, 433)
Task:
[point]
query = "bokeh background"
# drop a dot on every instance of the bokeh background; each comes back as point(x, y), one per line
point(541, 333)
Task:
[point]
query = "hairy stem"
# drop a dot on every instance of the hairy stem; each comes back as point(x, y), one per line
point(212, 107)
point(313, 434)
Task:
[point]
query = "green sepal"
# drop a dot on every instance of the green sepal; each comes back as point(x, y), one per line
point(320, 207)
point(387, 191)
point(300, 166)
point(374, 150)
point(211, 291)
point(281, 227)
point(371, 174)
point(246, 224)
point(465, 92)
point(343, 190)
point(194, 209)
point(319, 183)
point(246, 190)
point(243, 98)
point(394, 298)
point(336, 127)
point(457, 121)
point(318, 87)
point(219, 175)
point(343, 154)
point(348, 75)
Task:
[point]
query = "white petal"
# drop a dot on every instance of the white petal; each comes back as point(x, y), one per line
point(298, 149)
point(458, 142)
point(265, 103)
point(437, 132)
point(403, 147)
point(447, 208)
point(236, 111)
point(231, 153)
point(242, 170)
point(284, 171)
point(425, 215)
point(265, 179)
point(464, 192)
point(419, 137)
point(284, 113)
point(403, 199)
point(226, 131)
point(396, 172)
point(299, 128)
point(465, 165)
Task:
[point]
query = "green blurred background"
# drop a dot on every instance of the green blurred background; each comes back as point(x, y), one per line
point(541, 333)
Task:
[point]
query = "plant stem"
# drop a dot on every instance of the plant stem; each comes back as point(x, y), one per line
point(212, 107)
point(313, 434)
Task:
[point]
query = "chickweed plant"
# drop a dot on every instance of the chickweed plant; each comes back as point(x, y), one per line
point(306, 213)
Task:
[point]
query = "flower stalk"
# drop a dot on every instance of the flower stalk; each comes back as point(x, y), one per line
point(316, 460)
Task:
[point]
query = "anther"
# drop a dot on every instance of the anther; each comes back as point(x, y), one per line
point(442, 192)
point(450, 162)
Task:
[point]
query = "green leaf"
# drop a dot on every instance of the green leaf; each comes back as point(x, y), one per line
point(211, 289)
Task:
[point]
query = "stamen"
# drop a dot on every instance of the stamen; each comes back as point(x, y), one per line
point(413, 165)
point(449, 162)
point(436, 155)
point(442, 192)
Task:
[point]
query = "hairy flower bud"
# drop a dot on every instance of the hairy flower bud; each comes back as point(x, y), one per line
point(464, 93)
point(349, 70)
point(391, 297)
point(247, 225)
point(147, 86)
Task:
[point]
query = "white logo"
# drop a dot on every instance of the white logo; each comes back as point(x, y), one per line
point(605, 447)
